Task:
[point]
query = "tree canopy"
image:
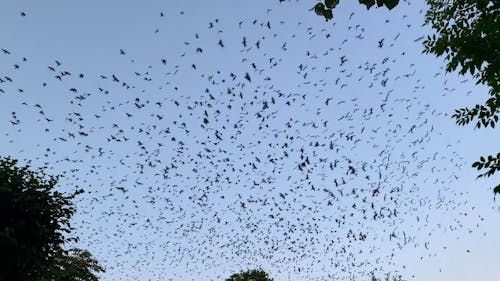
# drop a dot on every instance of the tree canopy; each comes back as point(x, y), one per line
point(325, 8)
point(469, 38)
point(250, 275)
point(34, 225)
point(467, 35)
point(76, 265)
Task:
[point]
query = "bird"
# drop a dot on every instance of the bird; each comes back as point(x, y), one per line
point(241, 154)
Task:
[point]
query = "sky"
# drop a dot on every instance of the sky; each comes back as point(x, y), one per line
point(216, 136)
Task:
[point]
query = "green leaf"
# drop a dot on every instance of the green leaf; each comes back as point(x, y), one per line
point(496, 189)
point(390, 4)
point(328, 14)
point(367, 3)
point(319, 9)
point(330, 4)
point(481, 4)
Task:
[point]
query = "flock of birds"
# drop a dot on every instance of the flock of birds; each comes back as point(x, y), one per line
point(291, 154)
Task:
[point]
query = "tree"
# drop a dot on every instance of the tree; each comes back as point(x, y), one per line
point(468, 36)
point(34, 222)
point(76, 265)
point(250, 275)
point(325, 8)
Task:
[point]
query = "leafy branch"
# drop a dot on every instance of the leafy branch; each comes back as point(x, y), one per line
point(325, 8)
point(491, 163)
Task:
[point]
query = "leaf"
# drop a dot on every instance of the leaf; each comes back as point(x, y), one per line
point(367, 3)
point(496, 189)
point(390, 4)
point(319, 9)
point(328, 14)
point(481, 4)
point(330, 4)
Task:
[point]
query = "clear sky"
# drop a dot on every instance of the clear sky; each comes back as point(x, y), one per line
point(215, 136)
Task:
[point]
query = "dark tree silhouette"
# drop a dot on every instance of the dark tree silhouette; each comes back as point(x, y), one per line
point(325, 8)
point(77, 264)
point(34, 222)
point(250, 275)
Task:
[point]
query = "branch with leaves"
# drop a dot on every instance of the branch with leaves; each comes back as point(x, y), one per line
point(467, 35)
point(485, 115)
point(492, 165)
point(326, 7)
point(34, 228)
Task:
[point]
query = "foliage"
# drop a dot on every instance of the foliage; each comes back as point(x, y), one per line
point(326, 7)
point(469, 38)
point(250, 275)
point(34, 222)
point(77, 265)
point(496, 190)
point(492, 164)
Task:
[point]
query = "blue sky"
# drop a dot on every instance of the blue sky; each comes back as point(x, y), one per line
point(172, 197)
